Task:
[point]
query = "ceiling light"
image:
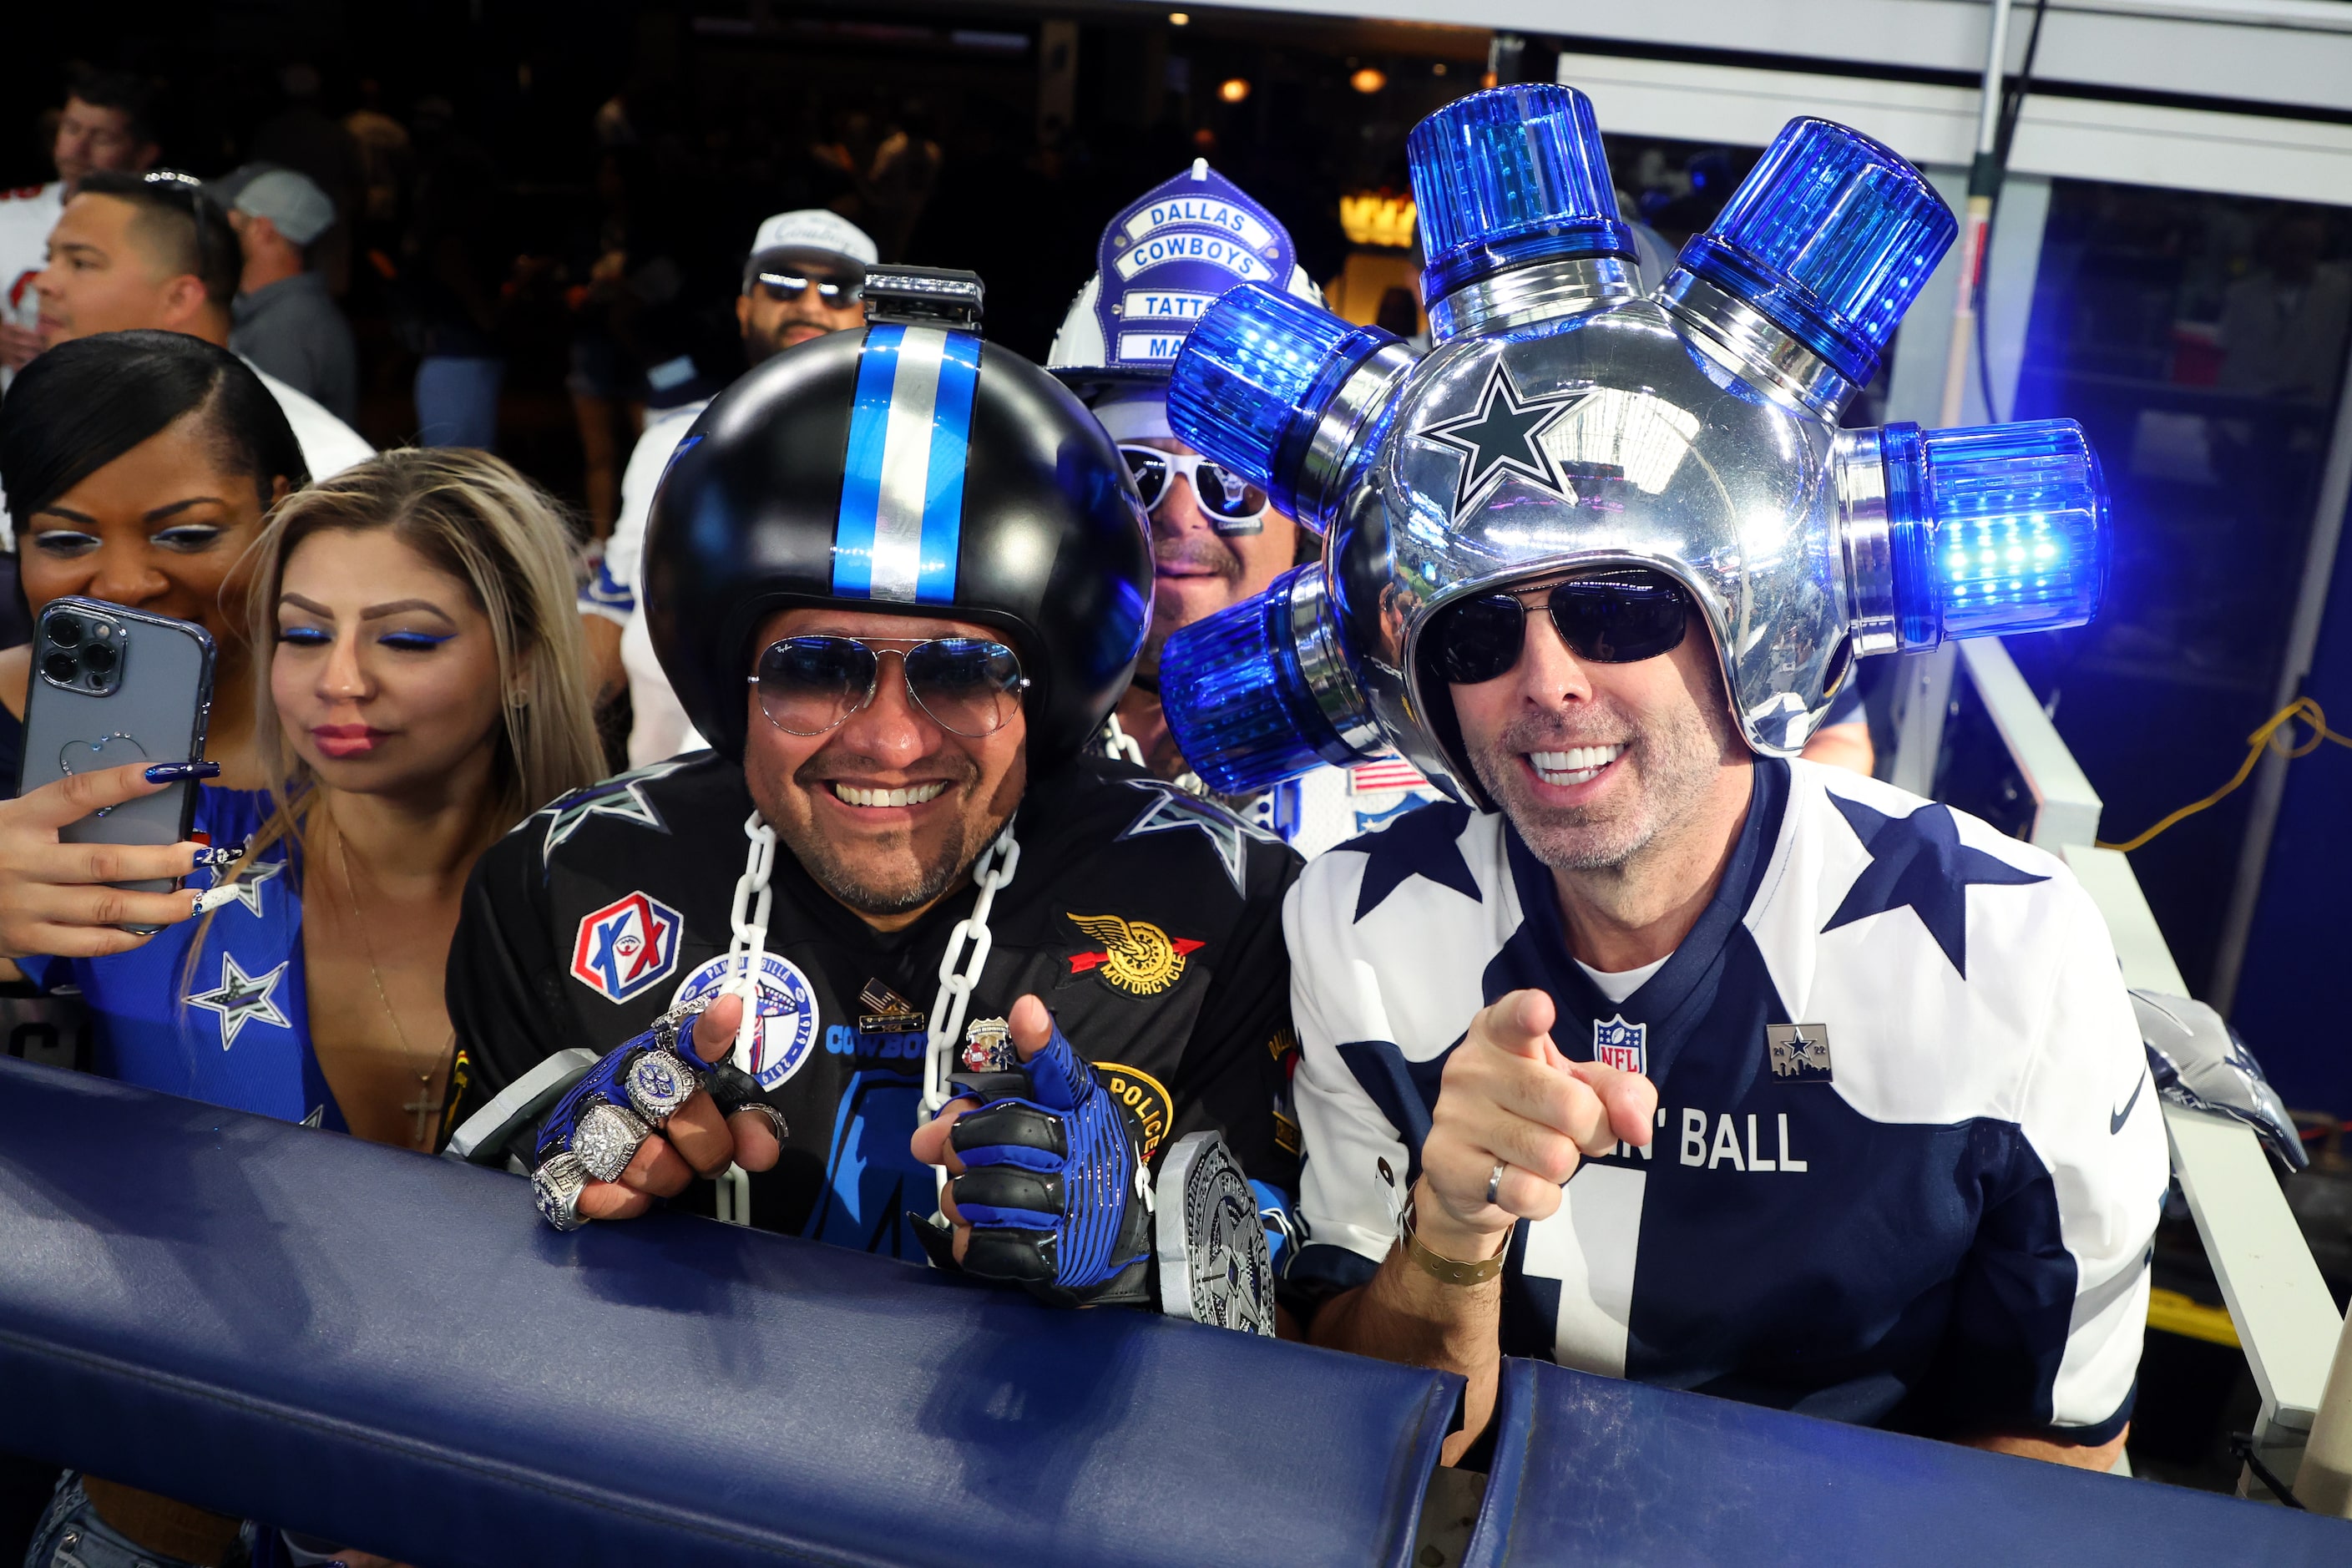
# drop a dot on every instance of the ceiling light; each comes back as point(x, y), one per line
point(1180, 19)
point(1234, 88)
point(1368, 80)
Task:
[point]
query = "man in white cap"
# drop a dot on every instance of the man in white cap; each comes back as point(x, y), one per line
point(805, 277)
point(1214, 540)
point(283, 320)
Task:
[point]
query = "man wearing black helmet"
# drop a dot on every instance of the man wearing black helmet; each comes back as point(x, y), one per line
point(899, 577)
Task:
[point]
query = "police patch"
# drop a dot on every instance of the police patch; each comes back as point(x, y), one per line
point(1620, 1044)
point(1798, 1053)
point(1145, 1099)
point(626, 947)
point(788, 1031)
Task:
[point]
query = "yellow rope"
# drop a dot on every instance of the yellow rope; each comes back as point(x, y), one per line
point(2301, 709)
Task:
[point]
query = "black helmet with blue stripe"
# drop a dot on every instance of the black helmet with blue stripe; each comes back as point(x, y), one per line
point(910, 466)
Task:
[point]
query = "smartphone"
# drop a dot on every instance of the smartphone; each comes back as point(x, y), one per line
point(112, 686)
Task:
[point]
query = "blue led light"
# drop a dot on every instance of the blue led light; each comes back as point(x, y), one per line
point(1996, 529)
point(1830, 238)
point(1507, 176)
point(1252, 378)
point(1237, 701)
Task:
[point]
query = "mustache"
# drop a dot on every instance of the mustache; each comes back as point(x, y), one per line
point(839, 763)
point(1199, 553)
point(1604, 727)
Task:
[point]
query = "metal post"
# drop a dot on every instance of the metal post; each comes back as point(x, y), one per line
point(2303, 637)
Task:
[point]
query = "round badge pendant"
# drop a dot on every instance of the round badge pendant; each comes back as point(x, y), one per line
point(1214, 1263)
point(788, 1033)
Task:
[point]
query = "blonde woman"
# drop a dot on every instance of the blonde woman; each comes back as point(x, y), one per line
point(423, 692)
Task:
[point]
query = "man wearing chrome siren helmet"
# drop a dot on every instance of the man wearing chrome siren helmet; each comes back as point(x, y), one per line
point(1847, 1082)
point(1216, 538)
point(902, 923)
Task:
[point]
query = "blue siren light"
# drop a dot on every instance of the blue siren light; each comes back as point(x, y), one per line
point(1262, 691)
point(1830, 238)
point(1507, 176)
point(1994, 529)
point(1255, 378)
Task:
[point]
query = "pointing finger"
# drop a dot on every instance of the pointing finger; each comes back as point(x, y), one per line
point(714, 1032)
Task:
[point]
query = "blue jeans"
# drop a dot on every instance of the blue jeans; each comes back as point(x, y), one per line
point(458, 401)
point(72, 1536)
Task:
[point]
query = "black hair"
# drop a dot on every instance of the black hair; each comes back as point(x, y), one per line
point(187, 228)
point(118, 90)
point(83, 404)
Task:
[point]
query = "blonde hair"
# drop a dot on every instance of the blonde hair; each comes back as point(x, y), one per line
point(476, 518)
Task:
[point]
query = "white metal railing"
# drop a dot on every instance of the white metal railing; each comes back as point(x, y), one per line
point(2285, 1320)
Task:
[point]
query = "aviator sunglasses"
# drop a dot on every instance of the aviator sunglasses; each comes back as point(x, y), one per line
point(1605, 617)
point(1232, 504)
point(968, 685)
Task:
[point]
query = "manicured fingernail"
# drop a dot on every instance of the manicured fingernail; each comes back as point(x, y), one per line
point(173, 773)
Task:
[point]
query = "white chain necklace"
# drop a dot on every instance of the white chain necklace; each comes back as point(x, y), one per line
point(958, 971)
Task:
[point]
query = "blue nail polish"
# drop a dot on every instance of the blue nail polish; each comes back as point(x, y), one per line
point(173, 773)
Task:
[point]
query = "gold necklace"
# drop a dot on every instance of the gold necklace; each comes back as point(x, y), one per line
point(423, 1107)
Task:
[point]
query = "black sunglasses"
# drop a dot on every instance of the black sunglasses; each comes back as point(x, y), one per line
point(969, 686)
point(784, 287)
point(1610, 617)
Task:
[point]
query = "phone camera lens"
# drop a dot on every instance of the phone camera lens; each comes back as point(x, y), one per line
point(65, 631)
point(60, 668)
point(98, 658)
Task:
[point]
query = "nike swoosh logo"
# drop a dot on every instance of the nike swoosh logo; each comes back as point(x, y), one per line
point(2115, 1123)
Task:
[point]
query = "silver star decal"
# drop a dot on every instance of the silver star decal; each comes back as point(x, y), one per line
point(244, 999)
point(1173, 811)
point(1503, 438)
point(248, 886)
point(622, 796)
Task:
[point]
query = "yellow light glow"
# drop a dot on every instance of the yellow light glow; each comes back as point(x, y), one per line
point(1368, 80)
point(1233, 89)
point(1376, 217)
point(1180, 19)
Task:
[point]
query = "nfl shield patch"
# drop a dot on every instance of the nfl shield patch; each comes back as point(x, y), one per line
point(626, 947)
point(1620, 1044)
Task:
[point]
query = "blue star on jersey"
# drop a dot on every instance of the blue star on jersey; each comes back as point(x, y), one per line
point(1173, 811)
point(242, 999)
point(1919, 860)
point(1425, 843)
point(621, 797)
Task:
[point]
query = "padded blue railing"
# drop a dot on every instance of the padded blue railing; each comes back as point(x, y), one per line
point(393, 1352)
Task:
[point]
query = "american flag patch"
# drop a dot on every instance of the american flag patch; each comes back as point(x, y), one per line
point(1383, 774)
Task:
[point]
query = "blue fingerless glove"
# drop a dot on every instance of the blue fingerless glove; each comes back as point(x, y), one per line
point(1050, 1188)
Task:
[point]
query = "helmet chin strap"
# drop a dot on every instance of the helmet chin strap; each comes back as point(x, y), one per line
point(959, 966)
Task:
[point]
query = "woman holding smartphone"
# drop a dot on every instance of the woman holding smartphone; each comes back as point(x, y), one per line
point(420, 689)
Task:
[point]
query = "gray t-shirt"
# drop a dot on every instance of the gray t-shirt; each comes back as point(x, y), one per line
point(292, 330)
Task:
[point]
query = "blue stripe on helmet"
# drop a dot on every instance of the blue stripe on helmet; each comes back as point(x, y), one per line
point(861, 479)
point(951, 445)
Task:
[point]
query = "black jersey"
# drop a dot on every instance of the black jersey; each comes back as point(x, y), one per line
point(1148, 920)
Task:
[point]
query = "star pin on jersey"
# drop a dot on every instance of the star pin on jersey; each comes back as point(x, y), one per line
point(1563, 421)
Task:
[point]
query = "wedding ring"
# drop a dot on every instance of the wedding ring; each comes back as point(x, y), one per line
point(1495, 1185)
point(658, 1083)
point(556, 1187)
point(775, 1118)
point(606, 1140)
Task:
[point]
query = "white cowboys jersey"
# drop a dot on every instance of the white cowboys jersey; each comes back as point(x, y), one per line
point(1907, 1165)
point(1325, 808)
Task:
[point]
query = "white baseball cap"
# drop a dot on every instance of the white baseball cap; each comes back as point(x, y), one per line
point(814, 228)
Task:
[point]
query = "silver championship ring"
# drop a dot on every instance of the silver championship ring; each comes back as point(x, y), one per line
point(556, 1187)
point(606, 1140)
point(658, 1083)
point(1214, 1263)
point(677, 1024)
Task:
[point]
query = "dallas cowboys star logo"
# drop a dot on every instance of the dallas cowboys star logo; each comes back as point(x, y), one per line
point(622, 796)
point(1426, 844)
point(248, 886)
point(1918, 860)
point(1503, 439)
point(1173, 811)
point(244, 999)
